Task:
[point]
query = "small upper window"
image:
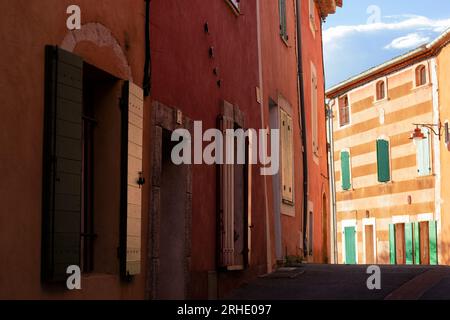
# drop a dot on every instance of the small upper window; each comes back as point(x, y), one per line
point(312, 15)
point(344, 111)
point(381, 90)
point(421, 75)
point(283, 20)
point(235, 4)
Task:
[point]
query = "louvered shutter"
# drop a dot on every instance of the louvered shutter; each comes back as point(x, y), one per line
point(131, 192)
point(433, 242)
point(287, 157)
point(384, 174)
point(416, 243)
point(345, 169)
point(314, 124)
point(392, 250)
point(409, 243)
point(226, 206)
point(62, 163)
point(283, 22)
point(423, 154)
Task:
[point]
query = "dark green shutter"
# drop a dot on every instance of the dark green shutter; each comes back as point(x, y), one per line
point(409, 243)
point(283, 22)
point(345, 170)
point(433, 242)
point(384, 172)
point(416, 243)
point(61, 216)
point(392, 251)
point(350, 245)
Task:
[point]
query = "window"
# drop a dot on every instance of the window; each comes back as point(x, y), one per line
point(344, 111)
point(235, 4)
point(345, 170)
point(421, 76)
point(283, 20)
point(381, 90)
point(314, 107)
point(287, 158)
point(423, 154)
point(78, 224)
point(383, 161)
point(312, 16)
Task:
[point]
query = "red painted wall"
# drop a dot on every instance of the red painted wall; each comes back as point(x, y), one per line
point(182, 77)
point(317, 173)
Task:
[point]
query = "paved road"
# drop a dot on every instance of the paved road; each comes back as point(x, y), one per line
point(339, 282)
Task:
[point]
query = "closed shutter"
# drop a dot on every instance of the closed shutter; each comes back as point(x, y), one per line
point(409, 243)
point(283, 22)
point(423, 154)
point(131, 192)
point(416, 243)
point(433, 242)
point(384, 174)
point(350, 245)
point(345, 169)
point(314, 123)
point(226, 205)
point(62, 163)
point(392, 251)
point(287, 157)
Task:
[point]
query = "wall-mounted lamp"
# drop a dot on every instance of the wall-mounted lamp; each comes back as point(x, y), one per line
point(417, 135)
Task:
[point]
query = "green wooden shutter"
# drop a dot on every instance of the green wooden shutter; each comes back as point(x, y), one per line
point(61, 202)
point(350, 245)
point(409, 243)
point(416, 243)
point(384, 172)
point(433, 242)
point(345, 170)
point(392, 251)
point(131, 191)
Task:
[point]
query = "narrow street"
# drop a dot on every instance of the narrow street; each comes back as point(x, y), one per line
point(345, 282)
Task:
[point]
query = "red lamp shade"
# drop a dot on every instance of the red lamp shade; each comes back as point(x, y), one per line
point(417, 135)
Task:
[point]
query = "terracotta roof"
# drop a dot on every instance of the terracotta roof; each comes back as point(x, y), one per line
point(395, 64)
point(328, 6)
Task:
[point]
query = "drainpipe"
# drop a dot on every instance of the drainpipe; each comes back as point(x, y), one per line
point(301, 91)
point(331, 174)
point(263, 125)
point(147, 65)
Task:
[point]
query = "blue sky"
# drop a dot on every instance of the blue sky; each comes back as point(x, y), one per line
point(365, 33)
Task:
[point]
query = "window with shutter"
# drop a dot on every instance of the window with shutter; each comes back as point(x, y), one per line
point(287, 157)
point(344, 111)
point(283, 19)
point(62, 163)
point(423, 154)
point(131, 192)
point(312, 16)
point(345, 170)
point(383, 161)
point(314, 107)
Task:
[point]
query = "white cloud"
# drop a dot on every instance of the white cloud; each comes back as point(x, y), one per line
point(409, 41)
point(403, 22)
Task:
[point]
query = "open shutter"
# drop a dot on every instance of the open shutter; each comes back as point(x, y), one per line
point(283, 23)
point(287, 157)
point(392, 251)
point(425, 157)
point(416, 243)
point(384, 174)
point(226, 205)
point(433, 242)
point(315, 123)
point(345, 170)
point(409, 243)
point(62, 163)
point(131, 192)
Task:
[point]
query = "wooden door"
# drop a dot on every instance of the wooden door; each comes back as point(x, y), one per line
point(424, 243)
point(400, 243)
point(369, 244)
point(350, 245)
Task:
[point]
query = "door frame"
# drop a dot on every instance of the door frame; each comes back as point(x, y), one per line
point(369, 222)
point(164, 117)
point(345, 224)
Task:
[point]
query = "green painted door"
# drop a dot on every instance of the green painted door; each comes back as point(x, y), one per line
point(416, 243)
point(433, 242)
point(392, 251)
point(409, 243)
point(350, 245)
